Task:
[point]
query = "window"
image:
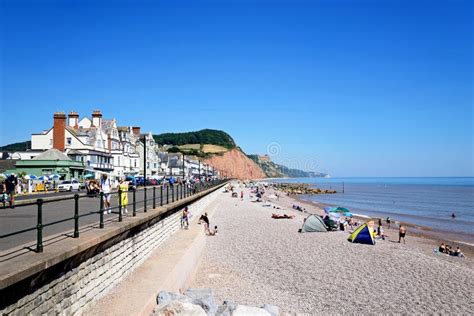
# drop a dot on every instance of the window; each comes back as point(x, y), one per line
point(69, 141)
point(118, 158)
point(135, 163)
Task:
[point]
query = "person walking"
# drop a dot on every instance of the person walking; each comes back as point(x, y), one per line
point(401, 233)
point(388, 222)
point(10, 184)
point(105, 187)
point(205, 219)
point(123, 195)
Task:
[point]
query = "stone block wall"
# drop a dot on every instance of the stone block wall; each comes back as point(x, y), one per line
point(71, 292)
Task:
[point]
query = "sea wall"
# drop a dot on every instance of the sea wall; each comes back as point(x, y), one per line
point(70, 285)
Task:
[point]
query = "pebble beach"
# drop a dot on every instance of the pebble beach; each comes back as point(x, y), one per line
point(256, 259)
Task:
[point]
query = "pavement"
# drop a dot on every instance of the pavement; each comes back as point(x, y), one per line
point(24, 217)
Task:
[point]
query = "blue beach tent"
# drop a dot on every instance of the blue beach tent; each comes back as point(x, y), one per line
point(364, 234)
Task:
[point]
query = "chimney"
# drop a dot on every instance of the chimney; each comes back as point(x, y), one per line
point(136, 130)
point(96, 118)
point(73, 119)
point(59, 130)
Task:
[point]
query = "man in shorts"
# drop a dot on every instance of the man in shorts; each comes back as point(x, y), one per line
point(105, 187)
point(401, 233)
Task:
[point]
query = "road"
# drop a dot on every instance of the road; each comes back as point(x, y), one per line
point(24, 217)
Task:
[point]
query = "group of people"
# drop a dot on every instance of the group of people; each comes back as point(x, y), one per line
point(450, 251)
point(204, 219)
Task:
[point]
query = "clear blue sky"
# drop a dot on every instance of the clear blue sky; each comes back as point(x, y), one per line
point(353, 88)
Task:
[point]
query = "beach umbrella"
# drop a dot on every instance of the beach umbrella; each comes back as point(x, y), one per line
point(32, 176)
point(339, 210)
point(43, 178)
point(55, 177)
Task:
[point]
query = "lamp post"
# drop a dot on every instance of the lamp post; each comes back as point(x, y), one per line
point(183, 167)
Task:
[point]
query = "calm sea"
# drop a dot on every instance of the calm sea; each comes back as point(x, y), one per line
point(422, 201)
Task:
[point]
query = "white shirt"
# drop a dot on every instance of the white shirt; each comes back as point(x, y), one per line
point(105, 185)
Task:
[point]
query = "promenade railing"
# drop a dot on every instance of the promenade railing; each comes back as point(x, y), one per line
point(159, 195)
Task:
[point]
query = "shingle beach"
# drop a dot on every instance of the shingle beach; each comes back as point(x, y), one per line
point(256, 259)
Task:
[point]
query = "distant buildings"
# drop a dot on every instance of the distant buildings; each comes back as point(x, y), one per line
point(94, 146)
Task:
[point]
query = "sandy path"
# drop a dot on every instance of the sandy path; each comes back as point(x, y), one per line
point(256, 259)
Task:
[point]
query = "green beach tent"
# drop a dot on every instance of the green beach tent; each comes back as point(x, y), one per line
point(313, 223)
point(364, 234)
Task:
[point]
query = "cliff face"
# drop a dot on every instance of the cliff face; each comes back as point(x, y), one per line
point(236, 165)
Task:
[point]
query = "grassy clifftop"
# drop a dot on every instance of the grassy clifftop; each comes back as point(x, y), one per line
point(202, 137)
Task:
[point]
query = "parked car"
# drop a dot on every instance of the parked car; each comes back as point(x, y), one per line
point(68, 185)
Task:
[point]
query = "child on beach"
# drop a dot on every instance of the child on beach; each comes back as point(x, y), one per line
point(184, 218)
point(213, 232)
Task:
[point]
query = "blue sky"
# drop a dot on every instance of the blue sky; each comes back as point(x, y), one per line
point(353, 88)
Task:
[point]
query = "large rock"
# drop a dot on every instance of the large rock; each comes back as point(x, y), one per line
point(226, 308)
point(203, 298)
point(272, 309)
point(179, 308)
point(165, 297)
point(244, 310)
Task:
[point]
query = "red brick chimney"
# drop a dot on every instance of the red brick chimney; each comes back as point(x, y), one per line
point(73, 119)
point(59, 130)
point(96, 118)
point(136, 130)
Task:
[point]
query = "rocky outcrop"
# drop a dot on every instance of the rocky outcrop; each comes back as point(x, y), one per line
point(299, 188)
point(235, 164)
point(201, 302)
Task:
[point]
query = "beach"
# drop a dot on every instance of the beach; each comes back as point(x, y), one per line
point(256, 259)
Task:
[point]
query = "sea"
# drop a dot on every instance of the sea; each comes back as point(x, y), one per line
point(427, 202)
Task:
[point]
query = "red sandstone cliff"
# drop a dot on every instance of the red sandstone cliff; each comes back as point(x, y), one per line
point(237, 165)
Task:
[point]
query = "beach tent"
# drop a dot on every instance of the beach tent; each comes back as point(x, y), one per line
point(364, 234)
point(313, 223)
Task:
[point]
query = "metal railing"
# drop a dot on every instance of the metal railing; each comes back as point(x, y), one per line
point(177, 192)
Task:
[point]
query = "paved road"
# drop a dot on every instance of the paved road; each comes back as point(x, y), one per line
point(23, 217)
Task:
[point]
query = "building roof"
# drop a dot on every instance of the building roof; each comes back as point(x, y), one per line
point(52, 154)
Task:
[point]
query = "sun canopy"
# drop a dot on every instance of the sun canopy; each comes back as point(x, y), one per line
point(313, 223)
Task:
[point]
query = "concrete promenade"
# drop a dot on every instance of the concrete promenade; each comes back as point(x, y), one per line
point(22, 217)
point(171, 267)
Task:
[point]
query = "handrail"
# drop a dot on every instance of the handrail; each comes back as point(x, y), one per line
point(178, 192)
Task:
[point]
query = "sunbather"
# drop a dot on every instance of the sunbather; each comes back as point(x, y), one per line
point(277, 216)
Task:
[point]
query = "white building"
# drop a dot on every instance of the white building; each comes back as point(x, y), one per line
point(152, 155)
point(100, 144)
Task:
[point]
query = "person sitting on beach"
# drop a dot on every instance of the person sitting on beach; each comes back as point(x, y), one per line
point(277, 216)
point(380, 233)
point(402, 231)
point(442, 248)
point(213, 232)
point(458, 253)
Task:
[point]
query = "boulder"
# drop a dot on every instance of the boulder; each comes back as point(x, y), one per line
point(203, 298)
point(226, 308)
point(272, 309)
point(165, 297)
point(178, 308)
point(244, 310)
